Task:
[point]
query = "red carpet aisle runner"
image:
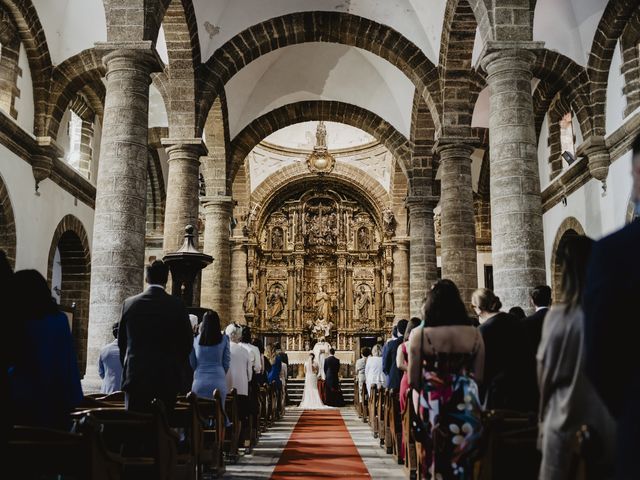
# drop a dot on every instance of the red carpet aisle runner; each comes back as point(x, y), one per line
point(320, 447)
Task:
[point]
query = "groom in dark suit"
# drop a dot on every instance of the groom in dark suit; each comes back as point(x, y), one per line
point(155, 340)
point(332, 382)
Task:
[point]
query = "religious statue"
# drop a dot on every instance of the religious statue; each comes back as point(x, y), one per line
point(277, 240)
point(323, 305)
point(276, 303)
point(387, 299)
point(389, 222)
point(250, 300)
point(362, 301)
point(364, 240)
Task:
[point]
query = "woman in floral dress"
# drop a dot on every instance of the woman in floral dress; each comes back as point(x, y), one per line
point(445, 358)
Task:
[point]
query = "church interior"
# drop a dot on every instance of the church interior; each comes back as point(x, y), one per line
point(309, 169)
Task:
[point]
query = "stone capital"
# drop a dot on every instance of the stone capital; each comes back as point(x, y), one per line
point(217, 204)
point(421, 205)
point(139, 57)
point(184, 148)
point(454, 147)
point(501, 56)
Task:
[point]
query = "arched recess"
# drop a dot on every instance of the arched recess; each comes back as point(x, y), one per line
point(71, 241)
point(307, 111)
point(569, 227)
point(7, 225)
point(156, 194)
point(304, 27)
point(298, 176)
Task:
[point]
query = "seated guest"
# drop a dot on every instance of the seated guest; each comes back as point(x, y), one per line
point(389, 366)
point(109, 366)
point(360, 366)
point(210, 358)
point(44, 380)
point(568, 400)
point(445, 358)
point(155, 341)
point(505, 354)
point(373, 369)
point(518, 313)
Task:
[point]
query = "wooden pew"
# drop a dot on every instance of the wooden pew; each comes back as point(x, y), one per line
point(365, 402)
point(395, 424)
point(264, 408)
point(147, 446)
point(587, 458)
point(356, 397)
point(232, 434)
point(373, 404)
point(388, 437)
point(186, 421)
point(35, 452)
point(380, 414)
point(408, 439)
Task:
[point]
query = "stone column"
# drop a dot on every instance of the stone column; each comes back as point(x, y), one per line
point(216, 278)
point(401, 279)
point(239, 283)
point(183, 193)
point(117, 256)
point(516, 211)
point(458, 237)
point(423, 269)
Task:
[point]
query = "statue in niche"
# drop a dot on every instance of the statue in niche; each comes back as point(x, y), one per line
point(277, 239)
point(276, 302)
point(389, 222)
point(250, 300)
point(364, 239)
point(387, 299)
point(323, 304)
point(363, 301)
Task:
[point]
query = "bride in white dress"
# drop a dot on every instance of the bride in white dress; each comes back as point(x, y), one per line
point(310, 396)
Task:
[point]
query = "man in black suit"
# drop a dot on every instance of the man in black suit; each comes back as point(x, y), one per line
point(389, 366)
point(155, 340)
point(332, 381)
point(612, 329)
point(532, 330)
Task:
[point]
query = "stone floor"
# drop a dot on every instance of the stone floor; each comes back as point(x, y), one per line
point(260, 464)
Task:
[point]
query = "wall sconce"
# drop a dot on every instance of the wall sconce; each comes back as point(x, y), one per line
point(564, 200)
point(568, 157)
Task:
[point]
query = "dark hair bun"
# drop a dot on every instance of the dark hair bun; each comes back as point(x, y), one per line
point(496, 305)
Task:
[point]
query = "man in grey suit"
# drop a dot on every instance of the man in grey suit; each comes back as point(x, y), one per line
point(155, 340)
point(109, 365)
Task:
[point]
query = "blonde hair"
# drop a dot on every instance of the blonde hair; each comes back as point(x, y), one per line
point(376, 351)
point(486, 300)
point(234, 332)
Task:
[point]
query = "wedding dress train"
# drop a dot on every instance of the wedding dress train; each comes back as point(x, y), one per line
point(310, 396)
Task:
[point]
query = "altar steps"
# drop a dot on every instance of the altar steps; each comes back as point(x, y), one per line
point(295, 387)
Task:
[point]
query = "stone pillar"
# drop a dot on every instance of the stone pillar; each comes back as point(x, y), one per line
point(216, 278)
point(423, 269)
point(117, 256)
point(183, 192)
point(401, 279)
point(458, 237)
point(516, 211)
point(239, 283)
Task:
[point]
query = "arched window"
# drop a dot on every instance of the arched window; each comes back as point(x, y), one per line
point(9, 69)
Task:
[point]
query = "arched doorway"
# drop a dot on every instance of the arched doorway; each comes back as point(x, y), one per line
point(69, 275)
point(570, 227)
point(7, 225)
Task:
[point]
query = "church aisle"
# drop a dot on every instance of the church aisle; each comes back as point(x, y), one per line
point(315, 444)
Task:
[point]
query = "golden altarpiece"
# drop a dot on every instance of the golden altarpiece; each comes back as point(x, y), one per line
point(320, 265)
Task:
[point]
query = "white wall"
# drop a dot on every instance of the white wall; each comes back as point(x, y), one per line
point(37, 216)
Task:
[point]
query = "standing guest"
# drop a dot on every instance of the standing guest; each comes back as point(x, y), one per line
point(389, 365)
point(7, 353)
point(518, 313)
point(444, 358)
point(568, 399)
point(283, 355)
point(361, 365)
point(373, 373)
point(532, 329)
point(44, 380)
point(265, 365)
point(611, 333)
point(210, 358)
point(505, 358)
point(109, 366)
point(238, 376)
point(332, 382)
point(155, 340)
point(254, 352)
point(402, 360)
point(275, 374)
point(385, 348)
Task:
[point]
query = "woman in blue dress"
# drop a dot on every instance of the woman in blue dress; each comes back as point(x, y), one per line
point(210, 358)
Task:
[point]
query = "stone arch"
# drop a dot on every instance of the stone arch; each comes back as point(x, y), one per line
point(9, 69)
point(68, 78)
point(631, 63)
point(156, 194)
point(217, 163)
point(70, 239)
point(7, 225)
point(305, 27)
point(313, 110)
point(570, 226)
point(612, 24)
point(32, 36)
point(421, 141)
point(298, 174)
